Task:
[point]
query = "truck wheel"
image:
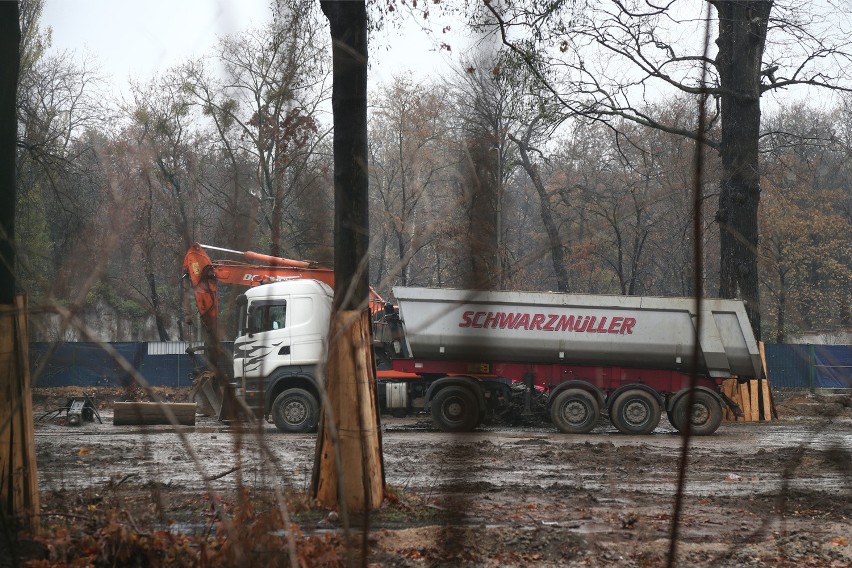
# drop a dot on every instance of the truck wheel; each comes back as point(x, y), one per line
point(706, 415)
point(295, 410)
point(635, 412)
point(575, 411)
point(455, 409)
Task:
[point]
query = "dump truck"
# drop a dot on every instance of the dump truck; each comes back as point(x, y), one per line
point(472, 357)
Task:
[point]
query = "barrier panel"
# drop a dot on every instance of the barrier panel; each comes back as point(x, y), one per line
point(89, 365)
point(167, 364)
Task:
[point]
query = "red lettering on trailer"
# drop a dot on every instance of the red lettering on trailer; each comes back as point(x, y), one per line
point(476, 319)
point(615, 325)
point(491, 320)
point(591, 326)
point(551, 319)
point(508, 320)
point(601, 326)
point(566, 323)
point(547, 322)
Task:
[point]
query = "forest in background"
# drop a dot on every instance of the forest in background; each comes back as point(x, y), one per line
point(476, 180)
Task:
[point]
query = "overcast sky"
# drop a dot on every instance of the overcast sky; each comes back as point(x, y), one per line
point(139, 39)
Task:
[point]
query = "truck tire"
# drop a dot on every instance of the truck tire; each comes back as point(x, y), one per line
point(455, 409)
point(635, 411)
point(295, 410)
point(706, 415)
point(575, 411)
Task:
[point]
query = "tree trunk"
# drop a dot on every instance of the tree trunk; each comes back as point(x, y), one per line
point(18, 482)
point(10, 39)
point(557, 251)
point(781, 323)
point(158, 311)
point(348, 468)
point(742, 35)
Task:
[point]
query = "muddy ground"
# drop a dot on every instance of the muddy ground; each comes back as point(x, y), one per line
point(757, 494)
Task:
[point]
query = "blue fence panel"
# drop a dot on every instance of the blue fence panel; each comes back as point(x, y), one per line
point(167, 370)
point(788, 366)
point(83, 364)
point(89, 365)
point(833, 366)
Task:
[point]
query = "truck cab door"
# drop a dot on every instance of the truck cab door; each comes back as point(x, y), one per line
point(265, 344)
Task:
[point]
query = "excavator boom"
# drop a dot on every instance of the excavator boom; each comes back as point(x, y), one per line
point(205, 274)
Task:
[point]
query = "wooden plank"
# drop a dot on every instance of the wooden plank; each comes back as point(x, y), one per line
point(745, 402)
point(753, 387)
point(766, 399)
point(766, 394)
point(150, 413)
point(18, 475)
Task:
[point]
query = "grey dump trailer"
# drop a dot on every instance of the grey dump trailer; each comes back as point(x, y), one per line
point(631, 356)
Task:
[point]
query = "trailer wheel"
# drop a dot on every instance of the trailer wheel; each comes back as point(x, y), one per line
point(575, 411)
point(706, 415)
point(455, 409)
point(635, 412)
point(295, 410)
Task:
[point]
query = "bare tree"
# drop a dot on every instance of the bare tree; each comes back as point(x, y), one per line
point(268, 108)
point(613, 55)
point(409, 164)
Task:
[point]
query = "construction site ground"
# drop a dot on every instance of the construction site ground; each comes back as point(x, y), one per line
point(773, 493)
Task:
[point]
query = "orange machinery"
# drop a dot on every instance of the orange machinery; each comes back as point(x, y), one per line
point(253, 269)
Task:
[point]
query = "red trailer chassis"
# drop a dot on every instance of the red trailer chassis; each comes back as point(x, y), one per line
point(461, 394)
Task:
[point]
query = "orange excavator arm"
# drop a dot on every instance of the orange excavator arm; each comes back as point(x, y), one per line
point(204, 275)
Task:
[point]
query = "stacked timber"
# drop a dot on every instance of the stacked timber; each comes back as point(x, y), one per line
point(754, 397)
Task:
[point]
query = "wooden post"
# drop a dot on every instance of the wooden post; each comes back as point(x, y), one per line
point(349, 414)
point(754, 390)
point(18, 479)
point(766, 395)
point(744, 401)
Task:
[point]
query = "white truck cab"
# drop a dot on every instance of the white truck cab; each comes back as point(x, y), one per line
point(281, 338)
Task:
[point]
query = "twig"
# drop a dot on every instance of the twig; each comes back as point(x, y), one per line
point(221, 475)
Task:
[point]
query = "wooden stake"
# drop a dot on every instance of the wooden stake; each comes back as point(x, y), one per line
point(349, 424)
point(18, 475)
point(754, 389)
point(745, 402)
point(765, 389)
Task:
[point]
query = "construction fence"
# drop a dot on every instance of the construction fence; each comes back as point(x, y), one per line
point(161, 363)
point(811, 367)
